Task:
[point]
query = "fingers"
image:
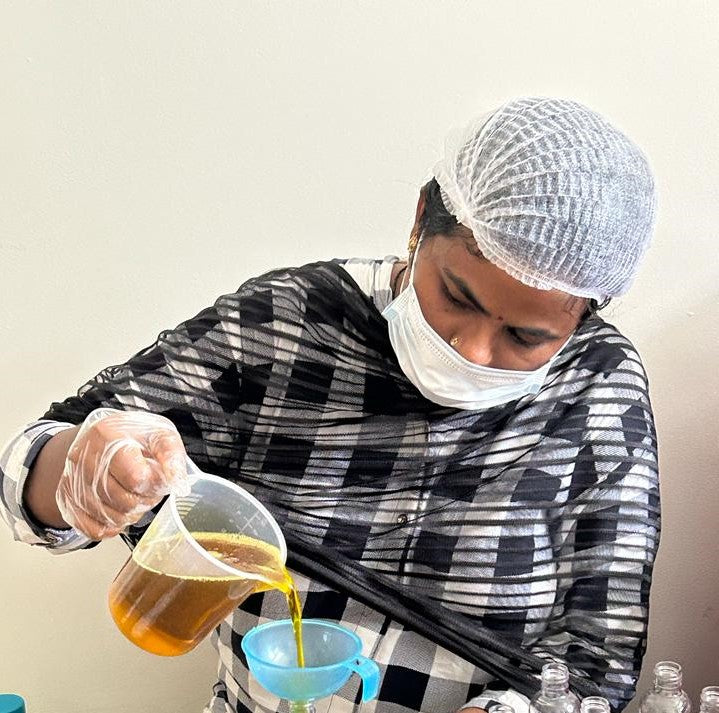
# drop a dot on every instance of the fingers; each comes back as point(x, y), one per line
point(169, 451)
point(119, 467)
point(127, 465)
point(115, 493)
point(95, 526)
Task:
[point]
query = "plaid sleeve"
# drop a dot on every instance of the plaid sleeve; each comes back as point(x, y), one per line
point(16, 460)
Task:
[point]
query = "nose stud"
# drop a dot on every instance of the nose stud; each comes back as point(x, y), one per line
point(454, 341)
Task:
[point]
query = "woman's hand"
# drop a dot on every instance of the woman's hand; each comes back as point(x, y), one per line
point(120, 465)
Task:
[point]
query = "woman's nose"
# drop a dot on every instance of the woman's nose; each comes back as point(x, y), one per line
point(476, 346)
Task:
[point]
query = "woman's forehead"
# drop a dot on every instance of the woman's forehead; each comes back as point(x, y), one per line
point(503, 295)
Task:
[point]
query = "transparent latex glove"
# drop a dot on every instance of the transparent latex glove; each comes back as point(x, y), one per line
point(120, 465)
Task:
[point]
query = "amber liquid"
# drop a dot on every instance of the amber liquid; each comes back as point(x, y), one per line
point(169, 614)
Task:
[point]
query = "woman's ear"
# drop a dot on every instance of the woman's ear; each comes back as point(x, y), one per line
point(418, 215)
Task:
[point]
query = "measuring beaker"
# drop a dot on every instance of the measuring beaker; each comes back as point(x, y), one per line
point(201, 556)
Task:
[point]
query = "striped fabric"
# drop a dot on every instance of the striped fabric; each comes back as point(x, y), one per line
point(465, 548)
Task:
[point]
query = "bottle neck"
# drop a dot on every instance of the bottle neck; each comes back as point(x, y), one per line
point(709, 701)
point(555, 680)
point(595, 704)
point(668, 678)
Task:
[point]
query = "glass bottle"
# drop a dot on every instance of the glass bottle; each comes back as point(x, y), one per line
point(667, 695)
point(709, 700)
point(554, 696)
point(595, 704)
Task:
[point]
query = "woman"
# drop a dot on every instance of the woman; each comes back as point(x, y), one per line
point(460, 452)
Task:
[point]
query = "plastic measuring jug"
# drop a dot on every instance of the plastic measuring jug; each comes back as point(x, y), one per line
point(332, 655)
point(193, 566)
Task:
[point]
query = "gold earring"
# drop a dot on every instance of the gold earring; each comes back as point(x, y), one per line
point(413, 240)
point(454, 341)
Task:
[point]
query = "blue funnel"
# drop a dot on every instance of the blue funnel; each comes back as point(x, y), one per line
point(332, 654)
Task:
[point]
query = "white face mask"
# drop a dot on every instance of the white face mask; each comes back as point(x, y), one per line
point(439, 372)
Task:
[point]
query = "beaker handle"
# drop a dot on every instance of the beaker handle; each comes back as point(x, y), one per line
point(368, 671)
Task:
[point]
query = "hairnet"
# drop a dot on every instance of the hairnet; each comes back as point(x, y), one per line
point(554, 194)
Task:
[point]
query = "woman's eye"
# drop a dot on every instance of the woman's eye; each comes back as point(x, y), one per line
point(457, 302)
point(521, 341)
point(460, 304)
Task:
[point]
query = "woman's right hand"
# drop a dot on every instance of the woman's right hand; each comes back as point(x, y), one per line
point(120, 465)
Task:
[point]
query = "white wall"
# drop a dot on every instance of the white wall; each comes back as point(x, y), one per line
point(154, 155)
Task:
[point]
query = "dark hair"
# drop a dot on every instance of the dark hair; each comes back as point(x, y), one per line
point(593, 306)
point(437, 220)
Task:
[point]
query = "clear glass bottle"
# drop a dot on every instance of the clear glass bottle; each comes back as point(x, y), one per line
point(667, 695)
point(709, 700)
point(554, 696)
point(595, 704)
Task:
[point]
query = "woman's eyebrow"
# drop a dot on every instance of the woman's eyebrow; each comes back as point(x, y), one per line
point(536, 332)
point(463, 287)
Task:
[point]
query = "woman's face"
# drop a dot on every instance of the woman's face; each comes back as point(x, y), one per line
point(489, 317)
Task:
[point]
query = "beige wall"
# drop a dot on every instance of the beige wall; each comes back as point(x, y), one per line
point(154, 155)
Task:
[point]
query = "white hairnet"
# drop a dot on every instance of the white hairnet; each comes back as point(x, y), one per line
point(555, 195)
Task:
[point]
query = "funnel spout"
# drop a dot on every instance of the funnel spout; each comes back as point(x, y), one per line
point(302, 707)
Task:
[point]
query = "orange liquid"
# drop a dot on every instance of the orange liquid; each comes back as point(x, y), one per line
point(170, 614)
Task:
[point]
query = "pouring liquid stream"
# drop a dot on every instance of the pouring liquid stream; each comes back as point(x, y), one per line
point(170, 632)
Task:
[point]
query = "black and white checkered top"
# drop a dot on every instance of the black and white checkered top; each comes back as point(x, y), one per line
point(464, 548)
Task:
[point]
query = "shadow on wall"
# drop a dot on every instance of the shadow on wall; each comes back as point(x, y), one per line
point(684, 382)
point(685, 354)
